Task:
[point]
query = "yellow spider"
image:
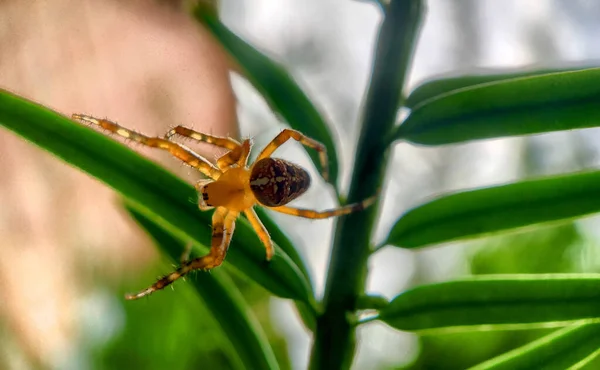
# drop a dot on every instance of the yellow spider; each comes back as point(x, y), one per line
point(232, 187)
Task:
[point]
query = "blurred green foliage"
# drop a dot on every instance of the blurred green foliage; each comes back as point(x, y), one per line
point(179, 331)
point(175, 330)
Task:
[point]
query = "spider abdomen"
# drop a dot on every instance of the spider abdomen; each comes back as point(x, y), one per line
point(276, 182)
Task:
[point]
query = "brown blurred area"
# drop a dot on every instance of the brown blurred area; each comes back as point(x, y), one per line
point(145, 64)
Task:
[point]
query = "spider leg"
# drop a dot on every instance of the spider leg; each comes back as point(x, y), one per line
point(238, 153)
point(237, 156)
point(262, 232)
point(223, 227)
point(287, 134)
point(223, 142)
point(177, 150)
point(308, 213)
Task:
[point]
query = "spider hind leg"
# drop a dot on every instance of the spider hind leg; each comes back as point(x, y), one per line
point(344, 210)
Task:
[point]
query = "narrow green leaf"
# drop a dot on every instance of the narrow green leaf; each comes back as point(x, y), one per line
point(496, 300)
point(279, 89)
point(520, 106)
point(371, 302)
point(479, 212)
point(151, 190)
point(573, 346)
point(223, 299)
point(443, 85)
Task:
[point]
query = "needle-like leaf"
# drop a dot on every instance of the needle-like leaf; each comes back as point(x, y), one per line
point(568, 348)
point(519, 106)
point(479, 212)
point(496, 300)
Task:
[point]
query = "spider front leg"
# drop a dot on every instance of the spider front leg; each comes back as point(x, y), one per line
point(238, 156)
point(238, 153)
point(177, 150)
point(223, 227)
point(223, 142)
point(287, 134)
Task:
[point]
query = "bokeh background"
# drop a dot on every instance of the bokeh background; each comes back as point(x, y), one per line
point(68, 252)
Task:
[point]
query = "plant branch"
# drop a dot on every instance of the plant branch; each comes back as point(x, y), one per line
point(335, 338)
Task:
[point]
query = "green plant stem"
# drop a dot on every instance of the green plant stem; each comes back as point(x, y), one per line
point(335, 338)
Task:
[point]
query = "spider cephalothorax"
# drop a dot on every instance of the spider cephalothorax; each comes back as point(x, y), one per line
point(233, 187)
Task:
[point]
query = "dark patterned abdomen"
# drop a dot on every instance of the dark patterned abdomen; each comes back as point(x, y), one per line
point(276, 182)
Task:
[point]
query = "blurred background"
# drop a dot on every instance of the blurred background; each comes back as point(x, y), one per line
point(68, 252)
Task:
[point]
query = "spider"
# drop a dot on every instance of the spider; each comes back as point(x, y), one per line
point(233, 187)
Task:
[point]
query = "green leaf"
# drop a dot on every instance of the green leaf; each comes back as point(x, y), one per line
point(224, 301)
point(151, 190)
point(279, 89)
point(478, 212)
point(371, 302)
point(573, 346)
point(496, 300)
point(520, 106)
point(439, 86)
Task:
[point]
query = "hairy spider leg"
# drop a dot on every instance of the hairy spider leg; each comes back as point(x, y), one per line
point(223, 227)
point(233, 156)
point(262, 232)
point(309, 213)
point(177, 150)
point(223, 142)
point(287, 134)
point(237, 154)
